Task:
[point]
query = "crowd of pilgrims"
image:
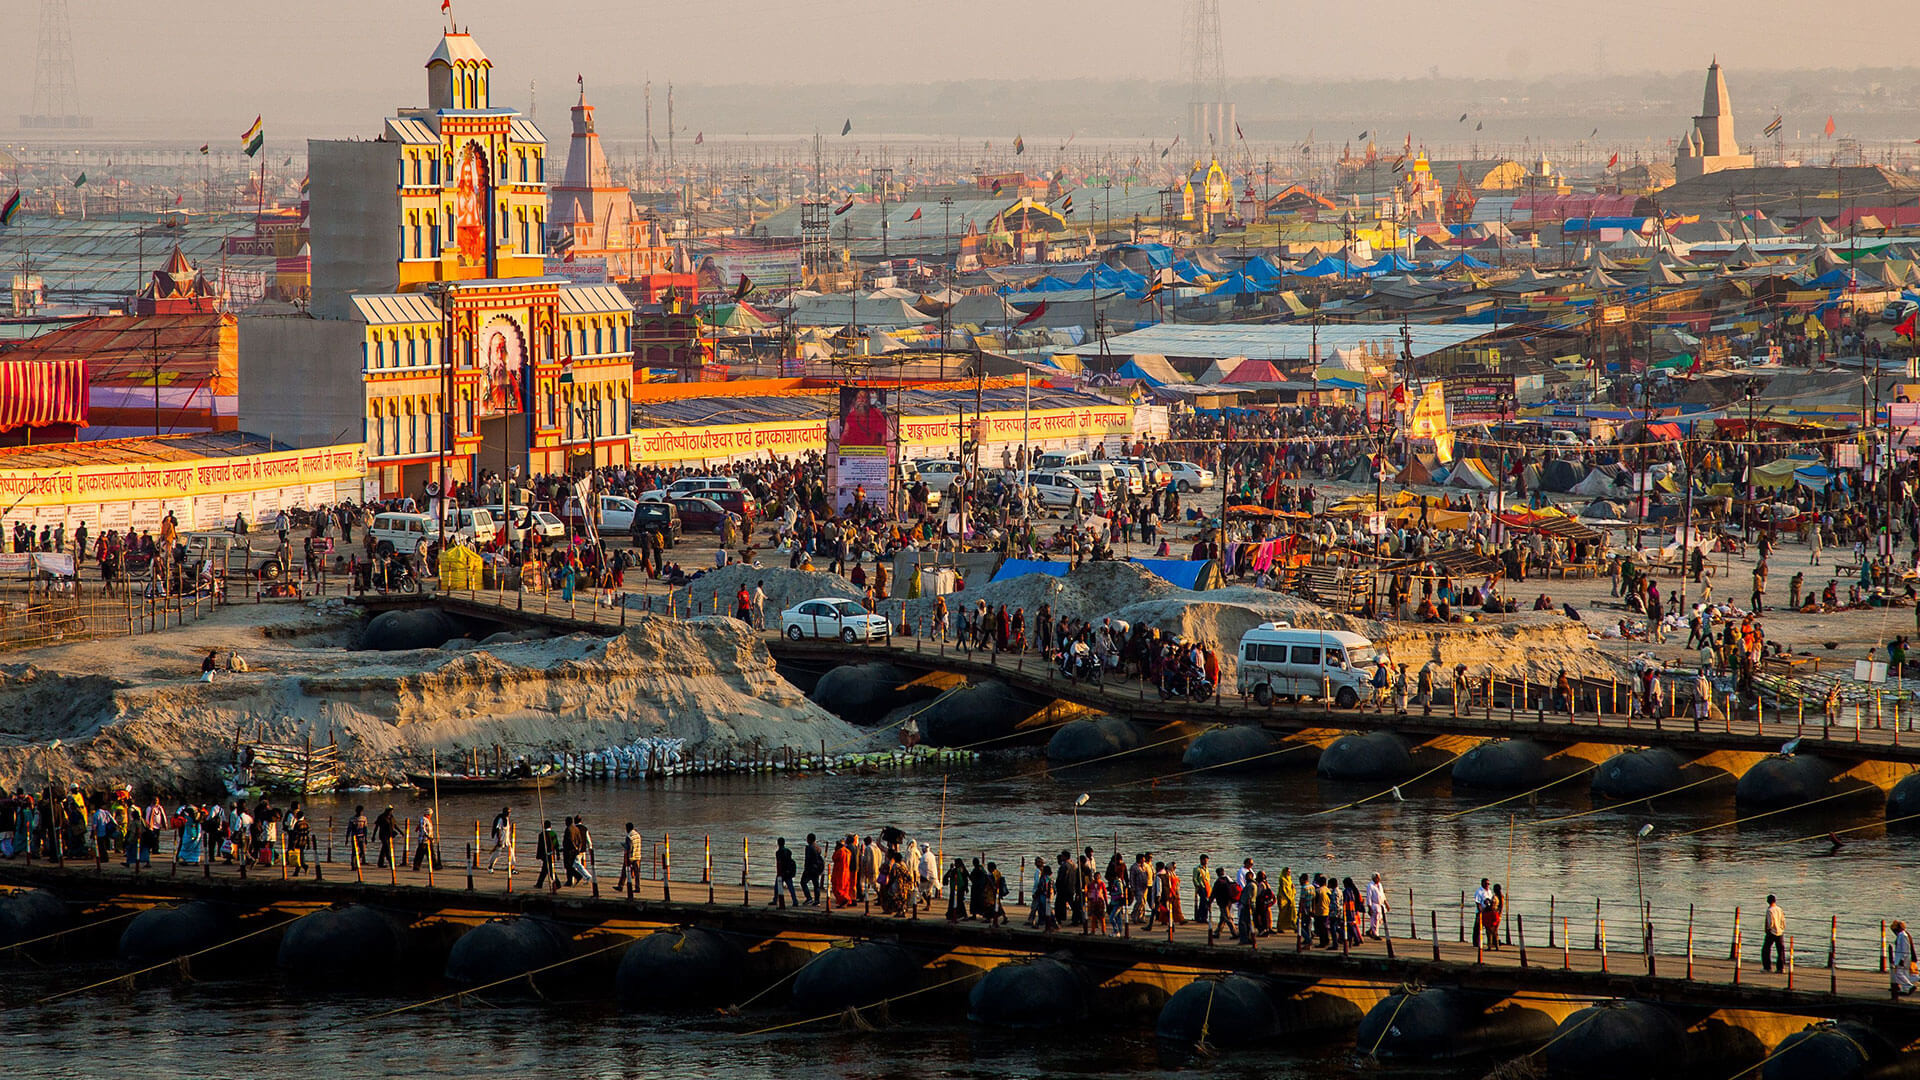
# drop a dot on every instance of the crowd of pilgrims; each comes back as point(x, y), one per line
point(900, 876)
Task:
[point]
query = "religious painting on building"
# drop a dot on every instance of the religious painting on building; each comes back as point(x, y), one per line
point(471, 198)
point(503, 365)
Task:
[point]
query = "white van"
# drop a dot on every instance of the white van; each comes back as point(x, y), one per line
point(1278, 660)
point(1060, 459)
point(410, 534)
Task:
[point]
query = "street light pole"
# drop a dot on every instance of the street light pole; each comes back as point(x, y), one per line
point(1639, 884)
point(1077, 804)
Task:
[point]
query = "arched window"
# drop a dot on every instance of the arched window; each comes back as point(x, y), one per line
point(413, 350)
point(433, 236)
point(413, 429)
point(365, 355)
point(599, 337)
point(540, 232)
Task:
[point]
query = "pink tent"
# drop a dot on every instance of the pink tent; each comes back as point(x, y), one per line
point(1254, 371)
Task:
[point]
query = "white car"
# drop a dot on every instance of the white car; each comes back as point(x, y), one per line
point(537, 522)
point(616, 515)
point(690, 485)
point(1129, 478)
point(938, 474)
point(1057, 489)
point(834, 617)
point(1190, 477)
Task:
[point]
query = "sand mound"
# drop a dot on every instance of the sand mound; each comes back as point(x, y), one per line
point(785, 588)
point(1093, 590)
point(708, 681)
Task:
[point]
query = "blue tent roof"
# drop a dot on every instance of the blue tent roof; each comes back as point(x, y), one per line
point(1131, 370)
point(1388, 264)
point(1467, 261)
point(1014, 568)
point(1326, 267)
point(1241, 284)
point(1839, 277)
point(1261, 269)
point(1182, 572)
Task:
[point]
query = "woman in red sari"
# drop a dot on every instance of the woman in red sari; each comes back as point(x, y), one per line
point(842, 875)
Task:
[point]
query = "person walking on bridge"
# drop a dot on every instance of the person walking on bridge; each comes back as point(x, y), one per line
point(1376, 908)
point(783, 873)
point(384, 830)
point(1904, 965)
point(357, 837)
point(813, 869)
point(1773, 946)
point(1482, 909)
point(429, 846)
point(502, 829)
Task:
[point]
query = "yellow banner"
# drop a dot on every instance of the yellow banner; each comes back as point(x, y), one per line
point(934, 434)
point(130, 482)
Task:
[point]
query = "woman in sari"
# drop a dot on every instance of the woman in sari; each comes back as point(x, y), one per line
point(188, 850)
point(1286, 910)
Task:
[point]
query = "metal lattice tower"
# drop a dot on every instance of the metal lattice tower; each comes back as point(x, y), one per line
point(1210, 116)
point(56, 101)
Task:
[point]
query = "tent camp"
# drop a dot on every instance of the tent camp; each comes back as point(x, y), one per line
point(1218, 371)
point(1419, 469)
point(1470, 473)
point(1255, 371)
point(1559, 475)
point(1152, 369)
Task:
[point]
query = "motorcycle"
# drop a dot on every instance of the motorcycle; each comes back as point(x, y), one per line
point(1187, 683)
point(1079, 664)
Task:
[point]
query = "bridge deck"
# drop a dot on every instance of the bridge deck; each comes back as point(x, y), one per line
point(1706, 979)
point(1880, 740)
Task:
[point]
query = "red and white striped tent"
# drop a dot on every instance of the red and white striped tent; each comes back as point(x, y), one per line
point(42, 393)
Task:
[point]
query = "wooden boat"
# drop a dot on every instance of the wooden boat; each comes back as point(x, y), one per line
point(467, 784)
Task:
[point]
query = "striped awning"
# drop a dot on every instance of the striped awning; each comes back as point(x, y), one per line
point(37, 393)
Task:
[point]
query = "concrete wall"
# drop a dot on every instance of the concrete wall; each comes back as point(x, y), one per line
point(355, 211)
point(300, 379)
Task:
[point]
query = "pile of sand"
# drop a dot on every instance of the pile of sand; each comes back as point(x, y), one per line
point(707, 681)
point(785, 588)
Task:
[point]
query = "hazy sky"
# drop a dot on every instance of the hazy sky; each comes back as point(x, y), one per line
point(215, 63)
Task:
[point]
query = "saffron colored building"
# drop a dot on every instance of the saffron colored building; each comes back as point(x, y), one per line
point(434, 334)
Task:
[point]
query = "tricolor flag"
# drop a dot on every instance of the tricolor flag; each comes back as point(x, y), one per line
point(253, 137)
point(1614, 160)
point(305, 183)
point(1019, 145)
point(916, 215)
point(1399, 163)
point(1066, 205)
point(1039, 309)
point(844, 207)
point(204, 147)
point(1154, 289)
point(996, 187)
point(566, 368)
point(1772, 129)
point(741, 290)
point(1829, 127)
point(9, 208)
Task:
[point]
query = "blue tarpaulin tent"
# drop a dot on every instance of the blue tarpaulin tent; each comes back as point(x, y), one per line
point(1186, 573)
point(1467, 261)
point(1131, 370)
point(1324, 268)
point(1014, 568)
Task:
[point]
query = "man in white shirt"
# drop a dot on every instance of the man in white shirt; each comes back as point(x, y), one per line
point(1376, 909)
point(1482, 900)
point(1773, 947)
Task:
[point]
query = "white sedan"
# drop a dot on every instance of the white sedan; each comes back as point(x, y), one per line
point(834, 617)
point(1190, 477)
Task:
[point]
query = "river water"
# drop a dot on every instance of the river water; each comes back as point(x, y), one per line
point(1008, 810)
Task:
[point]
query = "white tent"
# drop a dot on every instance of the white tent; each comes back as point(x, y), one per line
point(1600, 482)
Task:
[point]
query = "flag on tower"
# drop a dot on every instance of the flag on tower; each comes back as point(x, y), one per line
point(996, 187)
point(1829, 127)
point(9, 208)
point(305, 182)
point(446, 7)
point(1772, 129)
point(252, 139)
point(82, 181)
point(204, 147)
point(1614, 160)
point(1039, 309)
point(916, 214)
point(847, 127)
point(699, 137)
point(1399, 162)
point(1066, 205)
point(844, 207)
point(741, 290)
point(1019, 145)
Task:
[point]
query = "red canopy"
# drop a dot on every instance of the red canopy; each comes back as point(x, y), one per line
point(39, 393)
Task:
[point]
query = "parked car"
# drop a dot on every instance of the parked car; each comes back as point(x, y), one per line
point(616, 515)
point(690, 485)
point(833, 617)
point(528, 520)
point(411, 534)
point(1897, 310)
point(1190, 477)
point(938, 473)
point(657, 517)
point(1127, 478)
point(737, 501)
point(1057, 489)
point(1152, 473)
point(232, 556)
point(699, 514)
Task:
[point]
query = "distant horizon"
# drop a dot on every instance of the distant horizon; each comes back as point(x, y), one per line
point(200, 70)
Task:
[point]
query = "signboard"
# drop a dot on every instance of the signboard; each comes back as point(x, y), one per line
point(578, 271)
point(1479, 399)
point(1613, 315)
point(938, 435)
point(860, 445)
